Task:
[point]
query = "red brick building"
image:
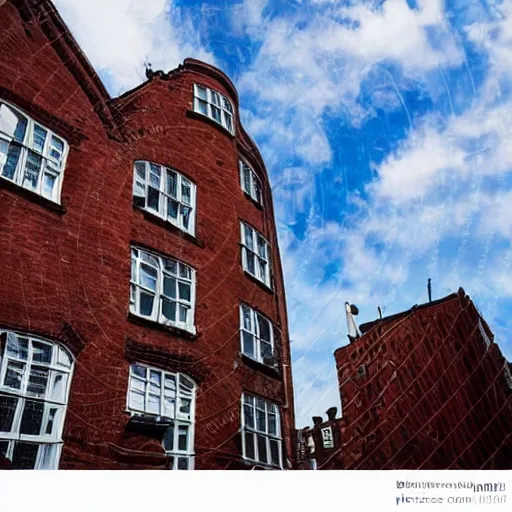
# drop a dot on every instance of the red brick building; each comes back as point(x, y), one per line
point(426, 389)
point(142, 311)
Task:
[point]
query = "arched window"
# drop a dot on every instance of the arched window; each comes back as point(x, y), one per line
point(35, 376)
point(166, 396)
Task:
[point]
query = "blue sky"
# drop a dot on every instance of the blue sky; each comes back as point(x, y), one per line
point(386, 127)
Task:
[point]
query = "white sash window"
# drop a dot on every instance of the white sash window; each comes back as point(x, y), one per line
point(35, 376)
point(31, 155)
point(214, 105)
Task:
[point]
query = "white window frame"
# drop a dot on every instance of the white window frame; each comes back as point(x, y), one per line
point(250, 182)
point(257, 404)
point(172, 413)
point(156, 270)
point(213, 101)
point(253, 252)
point(254, 332)
point(59, 369)
point(327, 439)
point(151, 178)
point(50, 157)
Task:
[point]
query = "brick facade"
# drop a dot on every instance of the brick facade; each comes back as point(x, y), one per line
point(66, 270)
point(426, 389)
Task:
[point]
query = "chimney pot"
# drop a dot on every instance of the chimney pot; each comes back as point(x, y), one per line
point(331, 413)
point(317, 420)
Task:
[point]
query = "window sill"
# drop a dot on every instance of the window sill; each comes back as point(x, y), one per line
point(271, 371)
point(196, 115)
point(253, 201)
point(176, 331)
point(260, 465)
point(151, 217)
point(261, 284)
point(31, 196)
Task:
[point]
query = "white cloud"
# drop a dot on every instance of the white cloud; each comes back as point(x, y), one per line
point(118, 36)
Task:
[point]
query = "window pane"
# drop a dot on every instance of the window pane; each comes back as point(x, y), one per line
point(63, 359)
point(49, 185)
point(249, 446)
point(182, 463)
point(17, 346)
point(246, 178)
point(262, 247)
point(227, 104)
point(12, 123)
point(262, 268)
point(24, 456)
point(169, 407)
point(264, 328)
point(170, 287)
point(39, 138)
point(153, 404)
point(274, 452)
point(146, 303)
point(248, 343)
point(229, 121)
point(172, 183)
point(32, 168)
point(248, 399)
point(186, 386)
point(42, 353)
point(250, 263)
point(202, 106)
point(182, 437)
point(48, 456)
point(260, 420)
point(262, 449)
point(248, 239)
point(32, 418)
point(7, 410)
point(153, 198)
point(201, 92)
point(170, 385)
point(51, 419)
point(172, 209)
point(184, 271)
point(137, 369)
point(272, 424)
point(58, 386)
point(248, 416)
point(247, 317)
point(266, 350)
point(57, 148)
point(4, 446)
point(14, 375)
point(155, 384)
point(169, 310)
point(185, 191)
point(37, 380)
point(148, 276)
point(11, 160)
point(137, 400)
point(171, 266)
point(216, 114)
point(185, 211)
point(185, 406)
point(183, 313)
point(184, 291)
point(168, 440)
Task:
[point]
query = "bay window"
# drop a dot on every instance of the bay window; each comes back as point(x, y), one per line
point(35, 376)
point(162, 289)
point(166, 396)
point(31, 155)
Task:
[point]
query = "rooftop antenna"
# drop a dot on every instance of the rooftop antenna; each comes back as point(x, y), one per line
point(429, 287)
point(353, 330)
point(149, 71)
point(380, 312)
